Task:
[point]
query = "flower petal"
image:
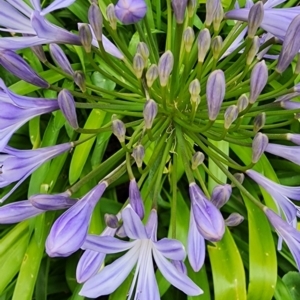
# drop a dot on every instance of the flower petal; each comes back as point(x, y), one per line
point(170, 248)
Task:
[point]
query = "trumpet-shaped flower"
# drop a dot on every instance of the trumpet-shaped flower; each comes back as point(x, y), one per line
point(16, 110)
point(141, 250)
point(288, 233)
point(17, 165)
point(70, 229)
point(281, 195)
point(130, 11)
point(275, 20)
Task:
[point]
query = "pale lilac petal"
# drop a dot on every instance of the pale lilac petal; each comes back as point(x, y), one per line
point(106, 244)
point(21, 6)
point(195, 246)
point(18, 211)
point(111, 277)
point(176, 278)
point(36, 4)
point(57, 4)
point(133, 225)
point(170, 248)
point(151, 225)
point(291, 153)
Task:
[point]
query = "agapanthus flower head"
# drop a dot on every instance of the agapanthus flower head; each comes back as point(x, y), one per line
point(142, 250)
point(70, 229)
point(17, 165)
point(130, 11)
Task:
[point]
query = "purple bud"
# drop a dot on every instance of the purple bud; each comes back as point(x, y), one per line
point(135, 199)
point(242, 103)
point(67, 106)
point(165, 67)
point(130, 11)
point(39, 53)
point(96, 20)
point(218, 17)
point(149, 112)
point(239, 177)
point(258, 80)
point(111, 221)
point(86, 37)
point(111, 16)
point(290, 46)
point(18, 211)
point(143, 49)
point(191, 7)
point(211, 8)
point(151, 75)
point(234, 219)
point(16, 65)
point(255, 17)
point(179, 7)
point(221, 194)
point(216, 46)
point(215, 92)
point(259, 145)
point(253, 50)
point(138, 65)
point(203, 43)
point(188, 38)
point(118, 129)
point(138, 154)
point(230, 115)
point(79, 80)
point(195, 88)
point(197, 160)
point(259, 122)
point(208, 218)
point(60, 59)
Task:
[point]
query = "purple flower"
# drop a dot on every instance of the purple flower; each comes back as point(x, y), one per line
point(208, 219)
point(90, 262)
point(275, 21)
point(130, 11)
point(70, 229)
point(281, 195)
point(17, 110)
point(141, 250)
point(17, 165)
point(135, 198)
point(287, 232)
point(291, 153)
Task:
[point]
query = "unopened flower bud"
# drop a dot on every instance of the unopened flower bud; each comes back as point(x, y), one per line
point(96, 20)
point(118, 129)
point(239, 177)
point(195, 88)
point(111, 221)
point(215, 92)
point(234, 219)
point(79, 80)
point(138, 65)
point(221, 194)
point(188, 38)
point(218, 17)
point(135, 198)
point(259, 144)
point(203, 43)
point(86, 37)
point(191, 7)
point(39, 52)
point(230, 115)
point(290, 46)
point(179, 7)
point(60, 59)
point(67, 106)
point(138, 153)
point(259, 122)
point(143, 49)
point(255, 17)
point(253, 50)
point(129, 12)
point(197, 160)
point(151, 75)
point(111, 16)
point(150, 112)
point(165, 67)
point(216, 46)
point(211, 7)
point(258, 80)
point(242, 103)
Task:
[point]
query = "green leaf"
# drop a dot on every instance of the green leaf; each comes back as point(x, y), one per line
point(101, 81)
point(282, 291)
point(292, 281)
point(122, 291)
point(262, 253)
point(82, 151)
point(227, 269)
